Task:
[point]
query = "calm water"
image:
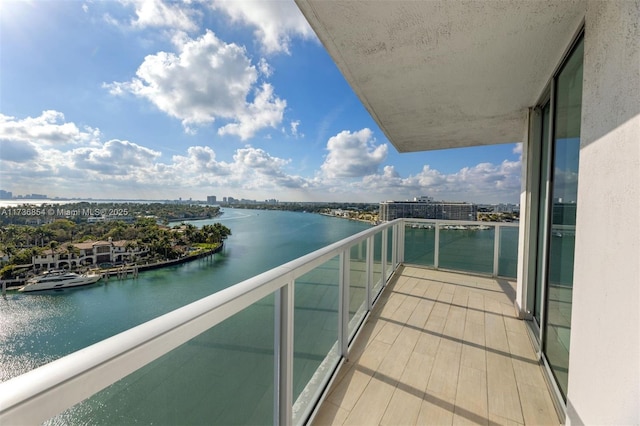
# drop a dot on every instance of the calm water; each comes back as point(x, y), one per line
point(39, 327)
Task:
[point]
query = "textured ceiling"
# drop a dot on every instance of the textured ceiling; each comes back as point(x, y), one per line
point(446, 74)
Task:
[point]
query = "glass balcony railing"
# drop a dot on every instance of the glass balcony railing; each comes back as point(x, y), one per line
point(478, 247)
point(261, 351)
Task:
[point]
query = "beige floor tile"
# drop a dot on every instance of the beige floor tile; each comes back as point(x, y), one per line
point(528, 372)
point(330, 414)
point(394, 363)
point(346, 393)
point(444, 375)
point(537, 406)
point(389, 332)
point(475, 315)
point(435, 411)
point(495, 420)
point(373, 355)
point(471, 397)
point(421, 313)
point(417, 371)
point(494, 332)
point(502, 392)
point(404, 407)
point(372, 403)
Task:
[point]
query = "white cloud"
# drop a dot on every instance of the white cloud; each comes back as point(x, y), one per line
point(265, 68)
point(517, 148)
point(156, 13)
point(207, 79)
point(266, 110)
point(47, 129)
point(353, 155)
point(353, 169)
point(294, 129)
point(275, 22)
point(484, 182)
point(114, 158)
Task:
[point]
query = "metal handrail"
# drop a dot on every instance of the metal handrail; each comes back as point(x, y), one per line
point(52, 388)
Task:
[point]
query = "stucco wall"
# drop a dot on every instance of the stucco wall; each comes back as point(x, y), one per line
point(604, 367)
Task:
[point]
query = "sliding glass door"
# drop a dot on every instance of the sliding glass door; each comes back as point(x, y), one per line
point(559, 149)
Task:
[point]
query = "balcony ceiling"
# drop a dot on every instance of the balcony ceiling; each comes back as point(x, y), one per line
point(446, 74)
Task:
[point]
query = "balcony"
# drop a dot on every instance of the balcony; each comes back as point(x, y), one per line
point(441, 348)
point(375, 325)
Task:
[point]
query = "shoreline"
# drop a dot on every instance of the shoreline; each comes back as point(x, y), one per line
point(125, 270)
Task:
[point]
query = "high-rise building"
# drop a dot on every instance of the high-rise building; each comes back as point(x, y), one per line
point(426, 208)
point(211, 199)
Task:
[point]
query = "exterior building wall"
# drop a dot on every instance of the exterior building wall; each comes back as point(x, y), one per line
point(604, 372)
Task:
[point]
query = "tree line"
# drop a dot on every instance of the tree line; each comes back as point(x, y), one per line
point(19, 243)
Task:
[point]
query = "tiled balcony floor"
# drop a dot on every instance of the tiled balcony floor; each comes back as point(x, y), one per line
point(441, 348)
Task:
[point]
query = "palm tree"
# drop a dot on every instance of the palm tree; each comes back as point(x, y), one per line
point(53, 244)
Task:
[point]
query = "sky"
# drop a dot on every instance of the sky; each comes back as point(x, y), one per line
point(167, 100)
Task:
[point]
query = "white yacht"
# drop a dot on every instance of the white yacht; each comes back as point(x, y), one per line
point(56, 279)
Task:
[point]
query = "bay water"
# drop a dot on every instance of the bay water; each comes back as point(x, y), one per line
point(36, 328)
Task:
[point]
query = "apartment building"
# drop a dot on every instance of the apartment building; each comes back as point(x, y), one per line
point(390, 210)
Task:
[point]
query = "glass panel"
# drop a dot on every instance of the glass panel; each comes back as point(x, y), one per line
point(419, 243)
point(508, 254)
point(357, 285)
point(542, 212)
point(566, 150)
point(467, 248)
point(389, 263)
point(315, 346)
point(377, 261)
point(223, 376)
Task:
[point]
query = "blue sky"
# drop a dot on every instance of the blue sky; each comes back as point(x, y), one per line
point(161, 100)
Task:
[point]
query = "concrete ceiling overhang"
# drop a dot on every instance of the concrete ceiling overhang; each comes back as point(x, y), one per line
point(446, 74)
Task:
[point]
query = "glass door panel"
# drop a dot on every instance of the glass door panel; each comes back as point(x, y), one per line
point(562, 217)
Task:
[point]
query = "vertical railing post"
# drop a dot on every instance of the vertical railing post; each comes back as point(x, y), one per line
point(401, 242)
point(343, 307)
point(383, 256)
point(370, 282)
point(436, 249)
point(496, 250)
point(367, 282)
point(283, 356)
point(394, 247)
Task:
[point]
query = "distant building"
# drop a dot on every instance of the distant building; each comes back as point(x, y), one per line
point(5, 195)
point(428, 209)
point(506, 208)
point(211, 199)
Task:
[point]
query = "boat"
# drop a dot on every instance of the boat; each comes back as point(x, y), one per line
point(56, 279)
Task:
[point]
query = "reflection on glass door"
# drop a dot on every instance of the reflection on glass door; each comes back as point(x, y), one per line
point(562, 216)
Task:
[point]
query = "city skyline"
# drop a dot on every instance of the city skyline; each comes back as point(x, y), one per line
point(153, 100)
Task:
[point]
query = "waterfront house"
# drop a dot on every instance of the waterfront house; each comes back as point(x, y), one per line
point(560, 344)
point(88, 253)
